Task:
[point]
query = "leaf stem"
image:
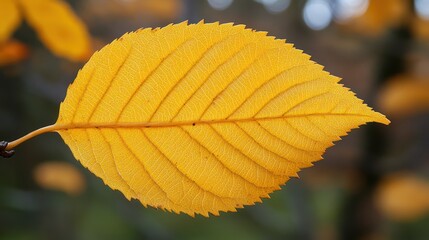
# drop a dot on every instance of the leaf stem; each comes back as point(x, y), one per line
point(30, 135)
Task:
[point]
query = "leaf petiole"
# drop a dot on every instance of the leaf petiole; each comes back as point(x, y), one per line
point(6, 148)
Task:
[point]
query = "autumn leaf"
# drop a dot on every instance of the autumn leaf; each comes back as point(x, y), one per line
point(405, 95)
point(420, 27)
point(55, 23)
point(380, 15)
point(166, 9)
point(10, 18)
point(203, 118)
point(59, 176)
point(148, 9)
point(403, 196)
point(12, 52)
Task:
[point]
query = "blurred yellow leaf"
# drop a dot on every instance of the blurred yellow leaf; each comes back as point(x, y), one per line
point(9, 18)
point(55, 23)
point(403, 197)
point(59, 176)
point(58, 27)
point(166, 9)
point(381, 15)
point(147, 9)
point(420, 28)
point(405, 95)
point(12, 52)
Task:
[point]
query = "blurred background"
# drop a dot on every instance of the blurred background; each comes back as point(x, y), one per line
point(374, 184)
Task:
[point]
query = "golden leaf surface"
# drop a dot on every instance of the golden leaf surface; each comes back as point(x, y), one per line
point(204, 118)
point(9, 18)
point(58, 27)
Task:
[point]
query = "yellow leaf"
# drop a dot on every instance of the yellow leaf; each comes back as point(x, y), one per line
point(147, 10)
point(380, 16)
point(203, 118)
point(405, 95)
point(9, 18)
point(403, 196)
point(59, 176)
point(12, 52)
point(164, 9)
point(58, 27)
point(420, 27)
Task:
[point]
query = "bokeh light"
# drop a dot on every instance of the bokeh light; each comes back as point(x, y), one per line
point(422, 8)
point(275, 6)
point(345, 10)
point(220, 4)
point(317, 14)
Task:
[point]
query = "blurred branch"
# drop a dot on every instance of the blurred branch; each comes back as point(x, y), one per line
point(360, 218)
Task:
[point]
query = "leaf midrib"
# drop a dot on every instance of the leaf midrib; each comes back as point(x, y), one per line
point(68, 126)
point(57, 127)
